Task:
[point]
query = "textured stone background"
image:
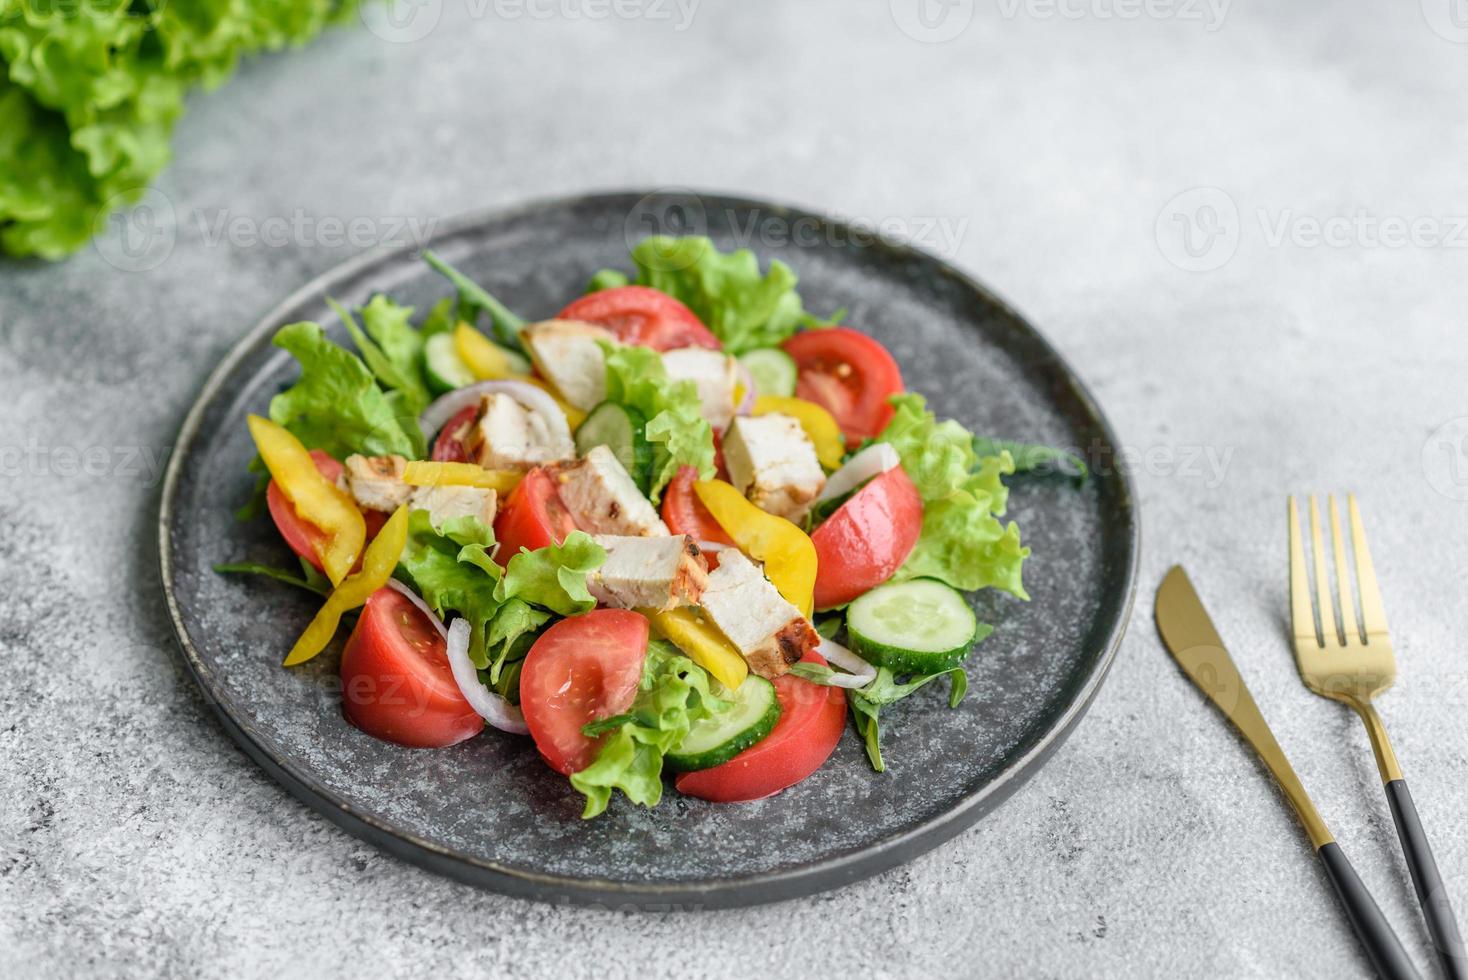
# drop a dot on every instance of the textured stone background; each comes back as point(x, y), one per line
point(1044, 153)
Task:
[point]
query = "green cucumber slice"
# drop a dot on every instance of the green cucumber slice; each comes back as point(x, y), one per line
point(713, 741)
point(442, 366)
point(622, 430)
point(773, 371)
point(917, 627)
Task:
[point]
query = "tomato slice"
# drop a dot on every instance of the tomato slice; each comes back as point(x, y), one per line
point(848, 374)
point(643, 316)
point(396, 681)
point(533, 517)
point(451, 446)
point(684, 513)
point(867, 539)
point(583, 668)
point(812, 719)
point(302, 536)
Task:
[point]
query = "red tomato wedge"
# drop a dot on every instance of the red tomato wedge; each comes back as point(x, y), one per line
point(849, 374)
point(301, 536)
point(581, 669)
point(812, 719)
point(643, 316)
point(451, 446)
point(396, 681)
point(684, 513)
point(533, 517)
point(867, 539)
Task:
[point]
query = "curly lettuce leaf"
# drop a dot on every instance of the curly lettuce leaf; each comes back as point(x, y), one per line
point(962, 542)
point(554, 577)
point(673, 694)
point(679, 433)
point(449, 567)
point(337, 405)
point(90, 93)
point(726, 290)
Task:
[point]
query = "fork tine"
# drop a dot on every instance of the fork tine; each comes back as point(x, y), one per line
point(1343, 580)
point(1330, 633)
point(1373, 614)
point(1301, 613)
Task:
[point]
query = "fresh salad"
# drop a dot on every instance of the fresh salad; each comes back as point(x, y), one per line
point(682, 527)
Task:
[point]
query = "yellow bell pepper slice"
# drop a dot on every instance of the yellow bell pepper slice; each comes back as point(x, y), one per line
point(574, 415)
point(786, 550)
point(422, 473)
point(316, 500)
point(485, 359)
point(818, 424)
point(688, 630)
point(377, 567)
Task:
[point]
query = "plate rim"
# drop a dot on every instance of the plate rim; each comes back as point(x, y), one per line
point(725, 892)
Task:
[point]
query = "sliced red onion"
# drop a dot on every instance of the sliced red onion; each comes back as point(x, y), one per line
point(859, 672)
point(710, 546)
point(435, 416)
point(872, 461)
point(746, 381)
point(414, 598)
point(489, 705)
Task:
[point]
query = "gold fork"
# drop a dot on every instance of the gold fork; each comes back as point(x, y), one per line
point(1353, 664)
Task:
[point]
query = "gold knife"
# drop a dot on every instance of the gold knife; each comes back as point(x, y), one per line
point(1194, 643)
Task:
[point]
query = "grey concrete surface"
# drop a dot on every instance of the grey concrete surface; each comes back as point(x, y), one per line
point(1306, 335)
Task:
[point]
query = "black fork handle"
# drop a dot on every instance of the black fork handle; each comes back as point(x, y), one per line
point(1437, 907)
point(1375, 933)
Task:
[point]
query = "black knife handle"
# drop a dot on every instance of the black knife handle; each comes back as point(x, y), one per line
point(1375, 933)
point(1437, 907)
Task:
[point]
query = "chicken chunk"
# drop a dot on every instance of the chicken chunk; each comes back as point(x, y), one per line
point(569, 354)
point(773, 462)
point(508, 436)
point(447, 503)
point(715, 375)
point(376, 482)
point(769, 631)
point(602, 498)
point(649, 573)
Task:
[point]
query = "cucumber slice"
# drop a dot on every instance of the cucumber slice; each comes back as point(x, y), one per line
point(715, 740)
point(773, 371)
point(442, 366)
point(917, 627)
point(622, 430)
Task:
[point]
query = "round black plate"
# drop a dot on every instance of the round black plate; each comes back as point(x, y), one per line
point(488, 811)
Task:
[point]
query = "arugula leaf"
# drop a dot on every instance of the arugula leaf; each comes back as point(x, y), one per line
point(726, 290)
point(336, 405)
point(310, 579)
point(866, 704)
point(474, 299)
point(1030, 458)
point(962, 541)
point(442, 317)
point(672, 695)
point(679, 433)
point(396, 365)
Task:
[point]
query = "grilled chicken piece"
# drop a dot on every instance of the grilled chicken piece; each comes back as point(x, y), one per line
point(769, 631)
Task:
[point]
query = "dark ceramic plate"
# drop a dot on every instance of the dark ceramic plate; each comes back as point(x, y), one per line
point(488, 811)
